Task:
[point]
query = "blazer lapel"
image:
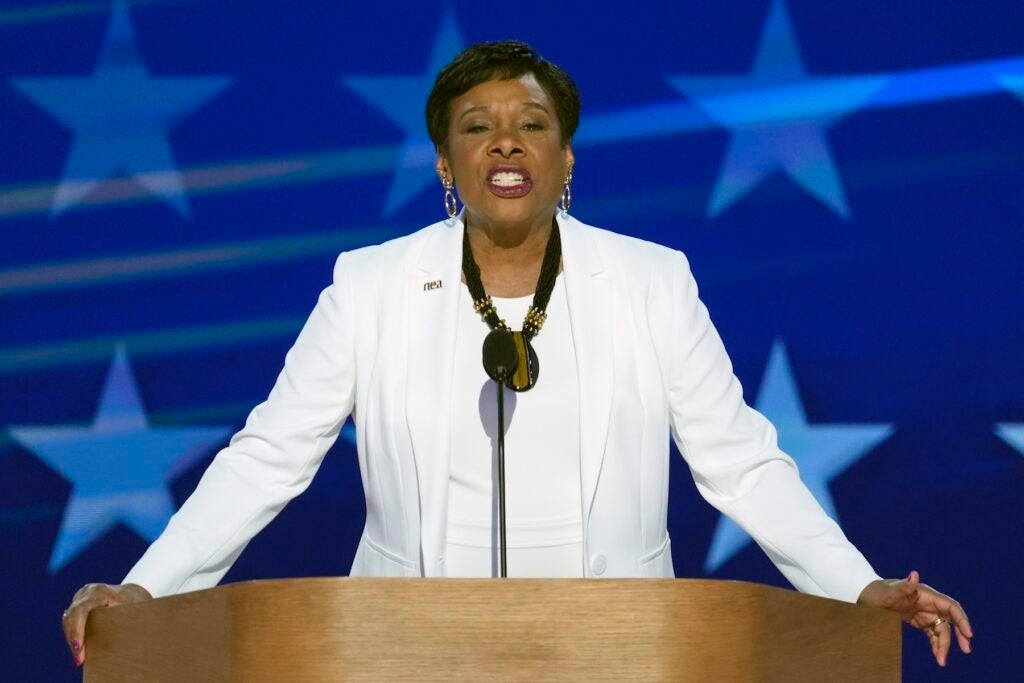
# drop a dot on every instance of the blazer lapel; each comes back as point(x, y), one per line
point(433, 285)
point(588, 289)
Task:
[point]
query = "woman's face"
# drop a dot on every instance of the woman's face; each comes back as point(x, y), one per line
point(505, 153)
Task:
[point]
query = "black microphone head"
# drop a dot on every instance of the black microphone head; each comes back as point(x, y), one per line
point(500, 355)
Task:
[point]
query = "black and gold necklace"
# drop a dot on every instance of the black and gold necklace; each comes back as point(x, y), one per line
point(528, 368)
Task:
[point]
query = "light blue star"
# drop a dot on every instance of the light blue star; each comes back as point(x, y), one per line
point(1013, 434)
point(400, 99)
point(778, 116)
point(119, 468)
point(821, 452)
point(1014, 84)
point(120, 117)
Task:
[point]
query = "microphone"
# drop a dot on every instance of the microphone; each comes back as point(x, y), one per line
point(500, 355)
point(500, 361)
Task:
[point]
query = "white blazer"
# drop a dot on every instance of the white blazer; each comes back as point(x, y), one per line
point(380, 344)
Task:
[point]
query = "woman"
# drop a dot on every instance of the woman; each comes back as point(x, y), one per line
point(616, 352)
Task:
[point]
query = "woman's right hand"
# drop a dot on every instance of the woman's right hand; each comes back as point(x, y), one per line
point(88, 598)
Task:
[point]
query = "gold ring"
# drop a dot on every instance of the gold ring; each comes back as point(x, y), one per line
point(937, 623)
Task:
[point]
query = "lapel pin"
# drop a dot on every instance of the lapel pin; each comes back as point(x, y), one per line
point(434, 284)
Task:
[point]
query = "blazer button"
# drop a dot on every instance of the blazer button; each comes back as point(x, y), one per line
point(598, 564)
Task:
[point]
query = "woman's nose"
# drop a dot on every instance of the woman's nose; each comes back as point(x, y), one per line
point(506, 144)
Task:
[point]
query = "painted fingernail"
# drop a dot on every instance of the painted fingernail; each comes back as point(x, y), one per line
point(78, 660)
point(76, 644)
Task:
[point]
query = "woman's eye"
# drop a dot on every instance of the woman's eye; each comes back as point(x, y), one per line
point(476, 128)
point(533, 125)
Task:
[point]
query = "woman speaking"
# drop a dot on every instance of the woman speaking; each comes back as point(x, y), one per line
point(614, 353)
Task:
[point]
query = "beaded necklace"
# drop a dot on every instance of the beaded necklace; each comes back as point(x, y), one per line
point(528, 369)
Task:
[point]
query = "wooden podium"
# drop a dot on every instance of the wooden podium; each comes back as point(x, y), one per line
point(490, 629)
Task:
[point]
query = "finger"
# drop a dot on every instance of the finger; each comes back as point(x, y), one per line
point(933, 640)
point(67, 623)
point(964, 642)
point(964, 633)
point(64, 625)
point(959, 618)
point(945, 637)
point(74, 632)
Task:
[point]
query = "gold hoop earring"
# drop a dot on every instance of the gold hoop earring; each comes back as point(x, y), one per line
point(566, 200)
point(451, 206)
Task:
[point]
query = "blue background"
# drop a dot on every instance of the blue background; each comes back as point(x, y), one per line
point(847, 179)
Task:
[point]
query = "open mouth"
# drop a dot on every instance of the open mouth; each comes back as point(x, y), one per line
point(509, 181)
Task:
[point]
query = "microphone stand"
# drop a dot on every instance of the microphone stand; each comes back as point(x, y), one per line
point(500, 359)
point(503, 549)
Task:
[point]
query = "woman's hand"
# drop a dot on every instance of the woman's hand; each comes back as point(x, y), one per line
point(935, 613)
point(88, 598)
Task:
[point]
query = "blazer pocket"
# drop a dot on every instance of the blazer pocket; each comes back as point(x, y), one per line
point(388, 555)
point(651, 559)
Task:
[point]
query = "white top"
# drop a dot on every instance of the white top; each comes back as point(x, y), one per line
point(542, 453)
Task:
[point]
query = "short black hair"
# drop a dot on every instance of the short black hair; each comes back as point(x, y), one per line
point(502, 60)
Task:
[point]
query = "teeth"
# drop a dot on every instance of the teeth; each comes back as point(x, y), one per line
point(507, 179)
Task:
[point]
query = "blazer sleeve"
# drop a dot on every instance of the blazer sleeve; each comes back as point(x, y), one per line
point(267, 463)
point(733, 454)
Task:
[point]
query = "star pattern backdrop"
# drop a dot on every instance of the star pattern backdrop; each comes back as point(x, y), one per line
point(177, 177)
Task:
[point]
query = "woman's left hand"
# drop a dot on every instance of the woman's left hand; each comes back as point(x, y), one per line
point(925, 608)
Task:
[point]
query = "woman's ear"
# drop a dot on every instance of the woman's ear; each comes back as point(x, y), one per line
point(569, 157)
point(441, 166)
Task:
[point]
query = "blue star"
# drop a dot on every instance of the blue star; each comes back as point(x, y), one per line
point(778, 116)
point(120, 117)
point(400, 99)
point(119, 468)
point(1014, 84)
point(821, 452)
point(1013, 434)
